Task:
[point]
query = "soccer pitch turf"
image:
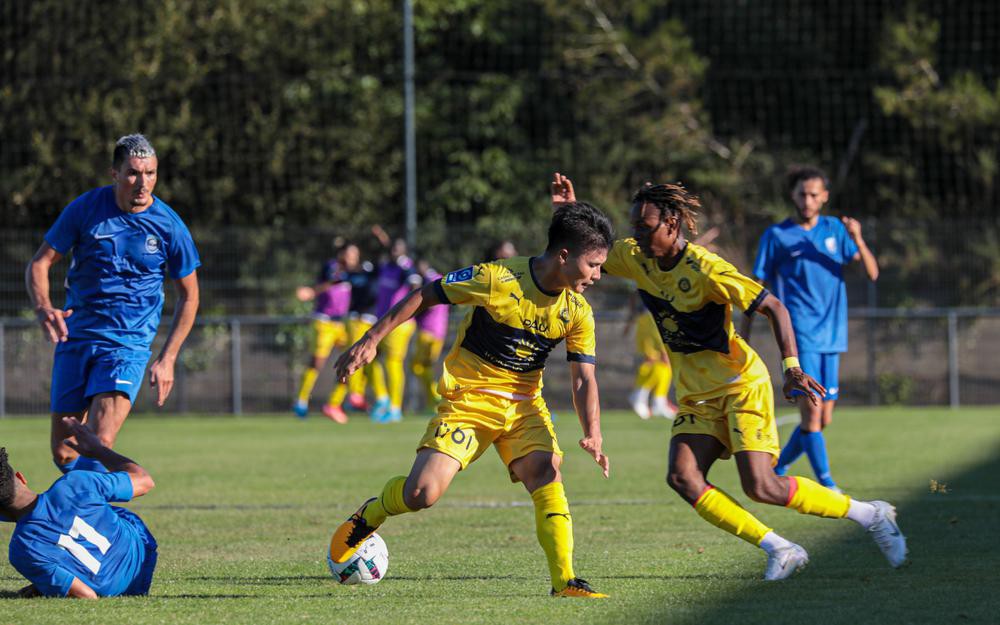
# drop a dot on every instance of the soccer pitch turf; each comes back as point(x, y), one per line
point(244, 507)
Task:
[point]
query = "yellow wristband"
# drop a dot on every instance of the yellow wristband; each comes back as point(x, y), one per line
point(788, 363)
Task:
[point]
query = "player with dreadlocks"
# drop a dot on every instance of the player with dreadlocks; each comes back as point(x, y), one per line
point(723, 388)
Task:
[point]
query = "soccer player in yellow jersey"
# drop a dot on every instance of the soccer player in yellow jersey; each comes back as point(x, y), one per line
point(491, 385)
point(723, 388)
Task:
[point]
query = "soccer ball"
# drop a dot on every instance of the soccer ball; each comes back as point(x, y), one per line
point(367, 565)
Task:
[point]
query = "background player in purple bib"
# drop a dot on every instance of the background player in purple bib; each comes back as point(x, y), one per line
point(69, 541)
point(432, 328)
point(125, 242)
point(801, 260)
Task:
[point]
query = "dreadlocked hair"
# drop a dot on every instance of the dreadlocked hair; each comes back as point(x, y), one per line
point(7, 486)
point(673, 200)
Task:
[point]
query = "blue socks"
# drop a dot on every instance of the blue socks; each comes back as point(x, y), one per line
point(791, 452)
point(814, 446)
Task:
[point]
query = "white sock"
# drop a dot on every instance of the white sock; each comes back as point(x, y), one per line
point(862, 513)
point(640, 396)
point(772, 542)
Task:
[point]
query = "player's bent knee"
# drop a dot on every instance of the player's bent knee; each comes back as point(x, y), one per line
point(685, 485)
point(764, 491)
point(421, 497)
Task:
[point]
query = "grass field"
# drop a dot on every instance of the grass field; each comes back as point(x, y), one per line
point(244, 507)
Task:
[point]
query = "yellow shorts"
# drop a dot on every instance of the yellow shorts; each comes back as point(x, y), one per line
point(466, 425)
point(397, 342)
point(648, 343)
point(428, 349)
point(326, 336)
point(741, 421)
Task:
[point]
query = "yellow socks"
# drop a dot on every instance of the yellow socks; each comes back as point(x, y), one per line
point(555, 531)
point(808, 497)
point(643, 375)
point(661, 378)
point(396, 377)
point(389, 503)
point(308, 382)
point(722, 511)
point(378, 380)
point(337, 396)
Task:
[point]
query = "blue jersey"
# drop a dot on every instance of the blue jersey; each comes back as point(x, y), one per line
point(74, 532)
point(804, 269)
point(115, 281)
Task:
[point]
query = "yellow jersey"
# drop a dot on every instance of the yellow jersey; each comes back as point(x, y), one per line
point(504, 340)
point(692, 305)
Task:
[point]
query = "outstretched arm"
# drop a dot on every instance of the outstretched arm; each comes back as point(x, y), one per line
point(864, 254)
point(87, 444)
point(795, 377)
point(364, 351)
point(587, 403)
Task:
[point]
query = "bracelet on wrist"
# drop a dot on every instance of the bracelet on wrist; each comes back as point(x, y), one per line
point(788, 363)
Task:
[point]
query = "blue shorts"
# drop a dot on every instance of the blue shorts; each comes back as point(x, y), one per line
point(824, 367)
point(144, 579)
point(82, 369)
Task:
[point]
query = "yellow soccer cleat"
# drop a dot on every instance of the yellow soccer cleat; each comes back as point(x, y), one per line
point(577, 587)
point(350, 535)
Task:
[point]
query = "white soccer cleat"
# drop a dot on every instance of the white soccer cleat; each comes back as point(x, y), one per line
point(638, 402)
point(886, 534)
point(784, 562)
point(663, 408)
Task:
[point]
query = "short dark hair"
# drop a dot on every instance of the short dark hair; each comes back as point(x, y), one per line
point(8, 486)
point(580, 228)
point(801, 173)
point(672, 200)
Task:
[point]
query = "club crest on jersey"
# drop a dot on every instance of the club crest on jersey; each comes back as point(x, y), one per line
point(831, 244)
point(461, 275)
point(152, 244)
point(684, 285)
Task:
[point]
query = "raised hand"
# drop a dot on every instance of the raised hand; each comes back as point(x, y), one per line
point(592, 445)
point(53, 322)
point(562, 190)
point(853, 227)
point(798, 380)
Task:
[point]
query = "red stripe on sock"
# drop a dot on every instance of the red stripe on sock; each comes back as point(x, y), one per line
point(793, 487)
point(703, 493)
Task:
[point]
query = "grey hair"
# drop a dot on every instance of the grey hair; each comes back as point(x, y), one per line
point(129, 146)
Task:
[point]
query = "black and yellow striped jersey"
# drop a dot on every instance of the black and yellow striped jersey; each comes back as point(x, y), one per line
point(503, 342)
point(692, 304)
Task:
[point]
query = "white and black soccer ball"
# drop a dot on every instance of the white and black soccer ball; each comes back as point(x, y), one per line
point(367, 565)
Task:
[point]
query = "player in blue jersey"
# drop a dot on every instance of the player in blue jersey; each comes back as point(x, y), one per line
point(125, 242)
point(69, 542)
point(801, 259)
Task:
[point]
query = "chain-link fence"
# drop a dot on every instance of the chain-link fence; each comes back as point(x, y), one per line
point(254, 364)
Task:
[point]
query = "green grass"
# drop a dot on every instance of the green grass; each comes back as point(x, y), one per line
point(244, 507)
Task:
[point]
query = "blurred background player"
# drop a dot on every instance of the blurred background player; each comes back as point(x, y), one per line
point(332, 296)
point(397, 276)
point(69, 542)
point(363, 278)
point(499, 250)
point(723, 388)
point(652, 378)
point(802, 259)
point(491, 387)
point(432, 328)
point(125, 242)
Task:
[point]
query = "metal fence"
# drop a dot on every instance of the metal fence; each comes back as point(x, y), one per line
point(250, 364)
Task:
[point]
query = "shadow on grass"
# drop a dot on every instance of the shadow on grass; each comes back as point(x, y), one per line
point(951, 576)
